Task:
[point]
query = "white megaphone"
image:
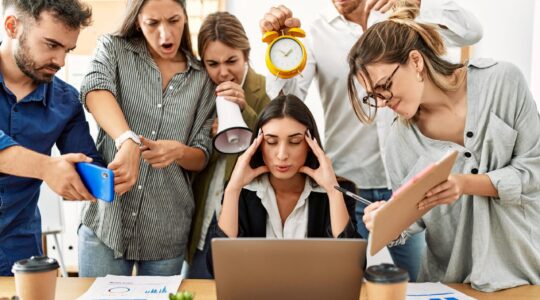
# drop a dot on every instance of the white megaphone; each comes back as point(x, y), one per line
point(233, 135)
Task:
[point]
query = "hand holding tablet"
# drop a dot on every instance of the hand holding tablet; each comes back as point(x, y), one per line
point(401, 211)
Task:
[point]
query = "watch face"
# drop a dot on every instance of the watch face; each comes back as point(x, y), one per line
point(286, 54)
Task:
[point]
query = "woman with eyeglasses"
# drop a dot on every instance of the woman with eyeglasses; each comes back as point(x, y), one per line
point(283, 185)
point(484, 224)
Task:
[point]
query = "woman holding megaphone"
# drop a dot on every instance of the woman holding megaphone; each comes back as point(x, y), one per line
point(224, 49)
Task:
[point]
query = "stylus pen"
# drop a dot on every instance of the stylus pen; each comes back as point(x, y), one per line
point(353, 195)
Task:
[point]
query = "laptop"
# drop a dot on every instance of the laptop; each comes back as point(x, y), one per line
point(258, 268)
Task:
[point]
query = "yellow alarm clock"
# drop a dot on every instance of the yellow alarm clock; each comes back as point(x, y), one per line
point(286, 56)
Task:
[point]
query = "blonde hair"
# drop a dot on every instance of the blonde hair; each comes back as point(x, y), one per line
point(226, 28)
point(391, 41)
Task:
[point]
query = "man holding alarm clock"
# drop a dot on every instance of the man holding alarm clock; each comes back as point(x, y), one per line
point(37, 111)
point(356, 149)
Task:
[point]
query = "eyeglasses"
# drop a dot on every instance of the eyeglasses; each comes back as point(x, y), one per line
point(382, 97)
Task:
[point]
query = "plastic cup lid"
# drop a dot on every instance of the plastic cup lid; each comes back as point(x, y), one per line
point(386, 273)
point(35, 264)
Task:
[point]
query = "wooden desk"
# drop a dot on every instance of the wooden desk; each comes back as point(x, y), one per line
point(72, 287)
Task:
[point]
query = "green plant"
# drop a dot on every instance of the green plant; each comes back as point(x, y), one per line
point(183, 295)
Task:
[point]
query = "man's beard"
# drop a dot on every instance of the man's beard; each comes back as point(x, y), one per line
point(28, 66)
point(349, 9)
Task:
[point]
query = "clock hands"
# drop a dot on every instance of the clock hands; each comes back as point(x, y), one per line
point(285, 53)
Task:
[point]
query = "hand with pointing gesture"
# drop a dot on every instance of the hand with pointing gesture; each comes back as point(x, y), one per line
point(161, 153)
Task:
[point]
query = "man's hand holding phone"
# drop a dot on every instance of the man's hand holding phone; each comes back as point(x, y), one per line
point(63, 179)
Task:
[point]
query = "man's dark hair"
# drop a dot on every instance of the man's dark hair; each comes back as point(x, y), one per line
point(73, 13)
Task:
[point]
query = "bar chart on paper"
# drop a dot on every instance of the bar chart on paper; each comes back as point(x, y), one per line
point(162, 290)
point(132, 287)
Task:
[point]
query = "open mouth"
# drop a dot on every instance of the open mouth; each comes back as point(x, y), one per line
point(168, 47)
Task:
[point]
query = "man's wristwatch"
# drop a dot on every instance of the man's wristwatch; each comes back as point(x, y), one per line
point(124, 137)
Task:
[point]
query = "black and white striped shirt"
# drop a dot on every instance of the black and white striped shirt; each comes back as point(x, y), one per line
point(152, 221)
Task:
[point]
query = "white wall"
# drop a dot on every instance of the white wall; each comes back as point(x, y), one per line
point(511, 33)
point(508, 31)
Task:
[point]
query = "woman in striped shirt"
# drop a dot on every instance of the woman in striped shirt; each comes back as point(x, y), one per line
point(145, 82)
point(224, 50)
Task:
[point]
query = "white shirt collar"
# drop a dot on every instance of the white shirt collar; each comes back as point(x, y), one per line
point(295, 226)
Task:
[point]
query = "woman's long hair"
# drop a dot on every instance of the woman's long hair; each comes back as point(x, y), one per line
point(390, 42)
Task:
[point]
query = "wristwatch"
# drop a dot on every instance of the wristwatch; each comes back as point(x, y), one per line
point(124, 137)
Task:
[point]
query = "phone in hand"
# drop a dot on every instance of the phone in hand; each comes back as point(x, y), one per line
point(98, 180)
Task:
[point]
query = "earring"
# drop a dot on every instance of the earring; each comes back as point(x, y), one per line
point(419, 77)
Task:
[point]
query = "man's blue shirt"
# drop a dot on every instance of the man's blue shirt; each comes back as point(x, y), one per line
point(51, 114)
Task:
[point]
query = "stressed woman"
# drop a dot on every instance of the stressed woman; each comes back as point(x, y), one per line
point(484, 224)
point(283, 185)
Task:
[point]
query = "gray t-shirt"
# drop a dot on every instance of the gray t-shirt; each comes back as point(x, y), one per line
point(493, 243)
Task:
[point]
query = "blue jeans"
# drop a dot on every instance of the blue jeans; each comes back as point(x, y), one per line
point(97, 260)
point(199, 268)
point(407, 256)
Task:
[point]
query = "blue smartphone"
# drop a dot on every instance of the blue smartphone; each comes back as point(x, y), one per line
point(98, 180)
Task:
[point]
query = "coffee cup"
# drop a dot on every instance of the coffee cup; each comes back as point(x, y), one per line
point(386, 282)
point(35, 278)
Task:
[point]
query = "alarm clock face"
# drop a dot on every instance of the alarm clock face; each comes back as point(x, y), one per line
point(286, 54)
